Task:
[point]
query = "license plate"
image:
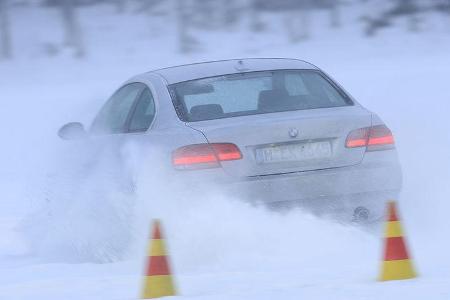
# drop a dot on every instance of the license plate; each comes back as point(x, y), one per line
point(293, 152)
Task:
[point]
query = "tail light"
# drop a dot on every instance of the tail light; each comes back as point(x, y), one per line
point(202, 156)
point(375, 138)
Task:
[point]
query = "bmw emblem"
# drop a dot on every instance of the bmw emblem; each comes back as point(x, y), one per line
point(293, 132)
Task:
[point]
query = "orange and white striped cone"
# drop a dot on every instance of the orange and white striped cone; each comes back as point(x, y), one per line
point(158, 279)
point(396, 264)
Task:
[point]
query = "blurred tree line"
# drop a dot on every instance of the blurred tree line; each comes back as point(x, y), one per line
point(194, 15)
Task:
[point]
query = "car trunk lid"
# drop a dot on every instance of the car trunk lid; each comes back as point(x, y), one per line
point(287, 142)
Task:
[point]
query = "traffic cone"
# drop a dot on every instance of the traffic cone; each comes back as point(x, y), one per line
point(158, 279)
point(396, 263)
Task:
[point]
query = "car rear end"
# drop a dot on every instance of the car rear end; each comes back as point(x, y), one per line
point(288, 137)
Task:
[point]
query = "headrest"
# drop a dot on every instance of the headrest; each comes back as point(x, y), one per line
point(270, 100)
point(206, 112)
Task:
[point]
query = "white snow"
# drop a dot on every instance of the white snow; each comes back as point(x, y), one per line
point(220, 248)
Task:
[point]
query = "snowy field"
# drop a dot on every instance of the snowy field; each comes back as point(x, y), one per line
point(220, 248)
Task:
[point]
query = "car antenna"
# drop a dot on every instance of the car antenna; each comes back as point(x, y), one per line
point(240, 66)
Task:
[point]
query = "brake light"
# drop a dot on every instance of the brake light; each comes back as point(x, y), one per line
point(202, 156)
point(380, 135)
point(377, 137)
point(358, 138)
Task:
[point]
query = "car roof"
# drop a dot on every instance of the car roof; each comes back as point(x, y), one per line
point(221, 67)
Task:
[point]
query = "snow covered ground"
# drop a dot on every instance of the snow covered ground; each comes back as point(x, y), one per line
point(220, 248)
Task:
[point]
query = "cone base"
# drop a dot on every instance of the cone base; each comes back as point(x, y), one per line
point(397, 270)
point(157, 286)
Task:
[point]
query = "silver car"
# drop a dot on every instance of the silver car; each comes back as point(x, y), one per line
point(274, 131)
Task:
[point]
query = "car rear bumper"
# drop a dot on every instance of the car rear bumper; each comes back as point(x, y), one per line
point(370, 184)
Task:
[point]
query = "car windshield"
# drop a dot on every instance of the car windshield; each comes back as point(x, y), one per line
point(255, 93)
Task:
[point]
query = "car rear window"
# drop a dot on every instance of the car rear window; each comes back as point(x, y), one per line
point(255, 93)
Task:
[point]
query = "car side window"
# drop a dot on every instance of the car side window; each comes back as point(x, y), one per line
point(113, 116)
point(144, 112)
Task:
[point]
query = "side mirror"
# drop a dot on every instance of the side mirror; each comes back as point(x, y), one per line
point(72, 131)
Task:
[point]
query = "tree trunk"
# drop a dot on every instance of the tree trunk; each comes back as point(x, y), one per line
point(5, 34)
point(120, 6)
point(256, 23)
point(335, 15)
point(230, 13)
point(297, 25)
point(414, 23)
point(72, 28)
point(185, 41)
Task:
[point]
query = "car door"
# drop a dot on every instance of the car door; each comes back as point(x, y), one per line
point(131, 109)
point(122, 121)
point(114, 116)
